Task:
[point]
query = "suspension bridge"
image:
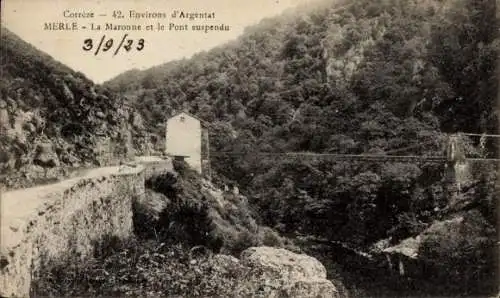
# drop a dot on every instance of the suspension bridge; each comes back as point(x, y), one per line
point(452, 152)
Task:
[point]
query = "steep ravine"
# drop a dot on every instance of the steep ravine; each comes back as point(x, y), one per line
point(194, 240)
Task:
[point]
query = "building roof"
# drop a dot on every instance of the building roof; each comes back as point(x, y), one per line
point(203, 122)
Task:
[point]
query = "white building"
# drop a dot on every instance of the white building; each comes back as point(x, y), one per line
point(187, 136)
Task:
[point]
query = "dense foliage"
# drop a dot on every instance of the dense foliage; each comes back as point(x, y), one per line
point(342, 78)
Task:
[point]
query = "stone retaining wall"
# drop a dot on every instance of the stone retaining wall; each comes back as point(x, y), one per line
point(63, 220)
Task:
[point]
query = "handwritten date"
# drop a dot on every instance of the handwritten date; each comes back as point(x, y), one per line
point(104, 45)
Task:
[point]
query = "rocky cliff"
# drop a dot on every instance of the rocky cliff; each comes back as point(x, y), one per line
point(53, 119)
point(184, 206)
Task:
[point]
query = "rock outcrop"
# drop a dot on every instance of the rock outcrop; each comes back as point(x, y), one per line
point(443, 241)
point(277, 272)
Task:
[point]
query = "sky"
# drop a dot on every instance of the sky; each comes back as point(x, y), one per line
point(27, 19)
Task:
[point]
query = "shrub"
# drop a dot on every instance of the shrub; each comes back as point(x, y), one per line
point(242, 241)
point(269, 237)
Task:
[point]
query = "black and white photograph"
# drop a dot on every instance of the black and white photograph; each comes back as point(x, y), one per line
point(266, 148)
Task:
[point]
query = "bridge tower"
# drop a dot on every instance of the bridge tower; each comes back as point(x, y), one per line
point(457, 171)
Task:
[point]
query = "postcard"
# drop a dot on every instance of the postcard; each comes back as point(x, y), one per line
point(267, 148)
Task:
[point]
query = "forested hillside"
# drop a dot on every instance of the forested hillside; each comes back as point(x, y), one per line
point(53, 118)
point(349, 78)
